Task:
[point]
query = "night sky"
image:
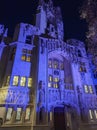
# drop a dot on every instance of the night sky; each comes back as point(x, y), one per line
point(13, 12)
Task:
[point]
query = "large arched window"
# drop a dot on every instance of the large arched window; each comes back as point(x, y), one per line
point(59, 73)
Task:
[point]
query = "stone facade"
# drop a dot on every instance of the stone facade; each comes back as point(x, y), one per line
point(45, 83)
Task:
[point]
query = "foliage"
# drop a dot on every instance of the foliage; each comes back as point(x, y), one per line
point(88, 12)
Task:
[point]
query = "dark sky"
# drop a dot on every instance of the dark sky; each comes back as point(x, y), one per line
point(13, 12)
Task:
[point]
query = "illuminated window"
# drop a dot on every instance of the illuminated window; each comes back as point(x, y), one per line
point(26, 55)
point(56, 79)
point(55, 85)
point(15, 80)
point(68, 118)
point(50, 78)
point(18, 114)
point(7, 81)
point(23, 81)
point(29, 82)
point(9, 114)
point(86, 89)
point(49, 63)
point(23, 57)
point(27, 114)
point(55, 64)
point(95, 113)
point(50, 84)
point(51, 116)
point(91, 114)
point(28, 58)
point(91, 89)
point(82, 67)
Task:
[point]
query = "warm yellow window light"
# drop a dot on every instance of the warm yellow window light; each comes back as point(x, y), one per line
point(90, 114)
point(7, 80)
point(23, 57)
point(18, 114)
point(27, 114)
point(95, 112)
point(29, 82)
point(23, 81)
point(9, 114)
point(50, 63)
point(15, 80)
point(56, 79)
point(91, 89)
point(28, 58)
point(50, 78)
point(86, 88)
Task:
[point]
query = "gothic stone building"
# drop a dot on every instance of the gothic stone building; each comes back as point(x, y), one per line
point(45, 83)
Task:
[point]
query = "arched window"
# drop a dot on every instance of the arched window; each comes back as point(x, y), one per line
point(55, 64)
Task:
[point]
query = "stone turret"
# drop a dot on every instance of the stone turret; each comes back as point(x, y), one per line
point(49, 19)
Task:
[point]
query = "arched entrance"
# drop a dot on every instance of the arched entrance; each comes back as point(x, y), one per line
point(59, 118)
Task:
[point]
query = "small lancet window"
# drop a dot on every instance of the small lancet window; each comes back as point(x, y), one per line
point(50, 78)
point(15, 80)
point(28, 58)
point(91, 114)
point(50, 63)
point(18, 114)
point(90, 89)
point(23, 57)
point(7, 81)
point(55, 64)
point(9, 114)
point(56, 79)
point(27, 114)
point(29, 82)
point(79, 53)
point(23, 81)
point(49, 84)
point(95, 113)
point(86, 89)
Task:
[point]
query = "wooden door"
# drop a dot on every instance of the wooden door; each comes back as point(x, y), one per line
point(59, 118)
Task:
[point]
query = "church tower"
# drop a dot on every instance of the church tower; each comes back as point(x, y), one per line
point(45, 83)
point(41, 21)
point(49, 19)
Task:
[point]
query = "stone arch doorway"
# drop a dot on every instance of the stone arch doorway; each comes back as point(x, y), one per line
point(59, 118)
